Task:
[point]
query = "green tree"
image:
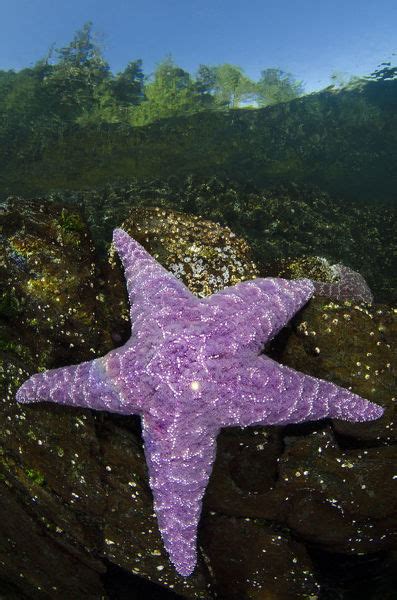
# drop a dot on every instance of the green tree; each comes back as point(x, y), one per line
point(116, 97)
point(80, 75)
point(276, 86)
point(28, 112)
point(231, 86)
point(7, 81)
point(205, 85)
point(170, 92)
point(128, 86)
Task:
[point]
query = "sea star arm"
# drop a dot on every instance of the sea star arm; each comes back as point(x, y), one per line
point(350, 286)
point(150, 286)
point(269, 393)
point(179, 465)
point(253, 312)
point(91, 384)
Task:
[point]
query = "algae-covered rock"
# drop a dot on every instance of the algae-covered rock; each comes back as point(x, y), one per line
point(47, 481)
point(47, 280)
point(204, 255)
point(251, 560)
point(342, 500)
point(354, 346)
point(245, 473)
point(315, 268)
point(76, 481)
point(279, 221)
point(33, 563)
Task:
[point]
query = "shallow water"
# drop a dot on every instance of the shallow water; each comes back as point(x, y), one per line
point(223, 177)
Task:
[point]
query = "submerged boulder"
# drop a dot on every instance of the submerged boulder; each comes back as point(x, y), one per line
point(356, 347)
point(204, 255)
point(47, 280)
point(282, 220)
point(74, 482)
point(266, 563)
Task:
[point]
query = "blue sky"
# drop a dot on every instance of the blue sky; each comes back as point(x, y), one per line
point(309, 38)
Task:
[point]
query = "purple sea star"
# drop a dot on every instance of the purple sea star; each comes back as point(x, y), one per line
point(190, 367)
point(349, 286)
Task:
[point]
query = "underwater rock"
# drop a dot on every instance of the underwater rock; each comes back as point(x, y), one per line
point(67, 475)
point(48, 479)
point(33, 564)
point(287, 219)
point(245, 473)
point(340, 500)
point(312, 267)
point(47, 278)
point(355, 346)
point(46, 316)
point(250, 560)
point(204, 255)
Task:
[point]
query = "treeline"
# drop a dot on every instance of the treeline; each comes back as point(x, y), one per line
point(74, 84)
point(74, 87)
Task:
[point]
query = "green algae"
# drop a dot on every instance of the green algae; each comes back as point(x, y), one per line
point(35, 475)
point(10, 304)
point(71, 221)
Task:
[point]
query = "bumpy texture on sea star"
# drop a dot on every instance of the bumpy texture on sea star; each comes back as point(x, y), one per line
point(190, 367)
point(349, 286)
